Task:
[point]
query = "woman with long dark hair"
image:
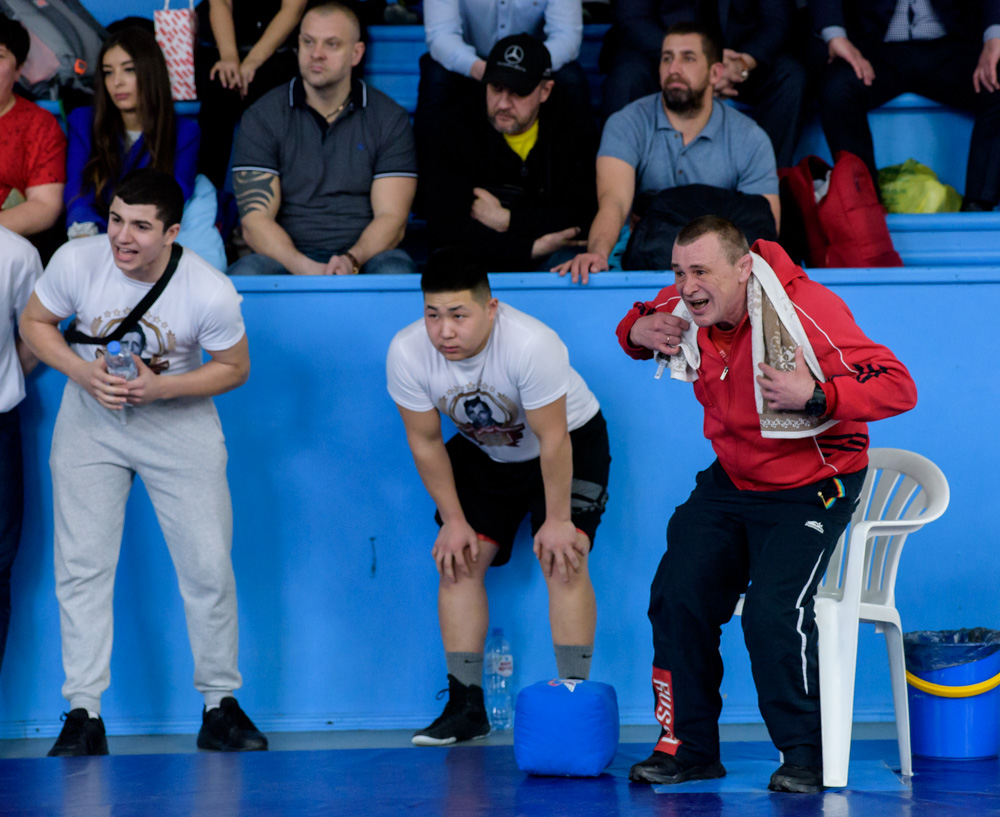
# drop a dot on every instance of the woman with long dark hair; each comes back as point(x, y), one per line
point(132, 124)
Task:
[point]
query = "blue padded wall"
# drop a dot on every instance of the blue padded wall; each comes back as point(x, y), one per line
point(333, 529)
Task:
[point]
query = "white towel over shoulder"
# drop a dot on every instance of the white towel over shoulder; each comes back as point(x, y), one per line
point(775, 331)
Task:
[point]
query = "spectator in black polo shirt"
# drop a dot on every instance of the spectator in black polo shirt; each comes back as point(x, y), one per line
point(513, 180)
point(325, 168)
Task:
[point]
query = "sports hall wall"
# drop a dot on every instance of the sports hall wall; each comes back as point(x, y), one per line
point(333, 530)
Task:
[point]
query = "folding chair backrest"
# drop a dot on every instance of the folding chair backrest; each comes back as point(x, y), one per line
point(901, 486)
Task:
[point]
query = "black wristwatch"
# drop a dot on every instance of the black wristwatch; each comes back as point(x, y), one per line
point(816, 405)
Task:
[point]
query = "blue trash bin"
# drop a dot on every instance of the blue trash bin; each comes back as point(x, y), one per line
point(954, 693)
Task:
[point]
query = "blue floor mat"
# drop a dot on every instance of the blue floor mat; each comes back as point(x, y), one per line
point(469, 781)
point(752, 776)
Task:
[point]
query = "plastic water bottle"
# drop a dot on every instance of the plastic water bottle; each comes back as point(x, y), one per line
point(499, 681)
point(120, 362)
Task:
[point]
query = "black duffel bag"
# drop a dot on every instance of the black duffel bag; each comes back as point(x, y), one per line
point(663, 214)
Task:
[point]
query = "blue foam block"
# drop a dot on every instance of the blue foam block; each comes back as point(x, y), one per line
point(566, 728)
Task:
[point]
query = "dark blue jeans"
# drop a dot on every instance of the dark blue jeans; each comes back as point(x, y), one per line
point(390, 262)
point(11, 511)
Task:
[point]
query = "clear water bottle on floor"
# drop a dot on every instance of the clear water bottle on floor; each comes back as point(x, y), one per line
point(120, 362)
point(499, 681)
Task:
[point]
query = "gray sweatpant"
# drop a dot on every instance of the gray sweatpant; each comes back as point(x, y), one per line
point(178, 450)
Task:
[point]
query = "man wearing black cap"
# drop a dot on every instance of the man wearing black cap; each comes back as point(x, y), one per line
point(514, 182)
point(461, 33)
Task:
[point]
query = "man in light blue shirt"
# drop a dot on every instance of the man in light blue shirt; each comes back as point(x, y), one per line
point(678, 137)
point(759, 71)
point(728, 152)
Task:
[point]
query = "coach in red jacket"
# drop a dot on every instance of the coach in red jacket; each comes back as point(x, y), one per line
point(765, 516)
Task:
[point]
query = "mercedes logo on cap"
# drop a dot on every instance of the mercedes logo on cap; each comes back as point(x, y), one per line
point(513, 55)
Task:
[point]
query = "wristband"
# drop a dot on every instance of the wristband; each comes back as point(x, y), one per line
point(354, 262)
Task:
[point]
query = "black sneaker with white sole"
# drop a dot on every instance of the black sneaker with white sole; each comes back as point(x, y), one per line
point(464, 717)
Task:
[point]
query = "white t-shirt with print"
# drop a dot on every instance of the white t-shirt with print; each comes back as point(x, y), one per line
point(524, 366)
point(20, 267)
point(198, 309)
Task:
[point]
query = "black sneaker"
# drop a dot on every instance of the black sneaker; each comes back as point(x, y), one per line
point(81, 735)
point(228, 729)
point(797, 779)
point(464, 717)
point(661, 769)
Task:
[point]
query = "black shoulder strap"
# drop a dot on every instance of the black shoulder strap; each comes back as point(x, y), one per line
point(74, 335)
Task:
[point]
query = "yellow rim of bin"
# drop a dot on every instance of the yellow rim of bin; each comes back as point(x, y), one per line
point(952, 692)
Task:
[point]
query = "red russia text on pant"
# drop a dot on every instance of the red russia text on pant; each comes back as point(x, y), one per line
point(663, 688)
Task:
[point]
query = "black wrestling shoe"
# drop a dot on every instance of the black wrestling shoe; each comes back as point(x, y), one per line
point(228, 729)
point(663, 769)
point(81, 735)
point(797, 779)
point(464, 717)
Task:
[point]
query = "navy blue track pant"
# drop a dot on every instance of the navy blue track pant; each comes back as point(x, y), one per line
point(720, 541)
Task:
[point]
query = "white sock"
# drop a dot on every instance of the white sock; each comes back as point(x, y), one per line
point(214, 699)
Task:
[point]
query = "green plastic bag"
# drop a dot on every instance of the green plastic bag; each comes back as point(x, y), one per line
point(914, 188)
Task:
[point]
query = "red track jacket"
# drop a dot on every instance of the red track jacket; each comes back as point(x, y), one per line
point(865, 382)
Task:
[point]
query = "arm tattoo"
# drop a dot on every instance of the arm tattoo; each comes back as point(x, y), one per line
point(253, 190)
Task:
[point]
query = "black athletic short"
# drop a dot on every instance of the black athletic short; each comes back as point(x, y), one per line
point(496, 496)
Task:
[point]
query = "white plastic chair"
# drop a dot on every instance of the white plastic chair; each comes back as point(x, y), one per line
point(903, 491)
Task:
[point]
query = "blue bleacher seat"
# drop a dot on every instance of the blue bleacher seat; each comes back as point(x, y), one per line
point(909, 126)
point(53, 106)
point(947, 239)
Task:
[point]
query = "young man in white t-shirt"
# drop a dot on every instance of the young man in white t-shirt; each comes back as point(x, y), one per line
point(531, 439)
point(163, 427)
point(20, 266)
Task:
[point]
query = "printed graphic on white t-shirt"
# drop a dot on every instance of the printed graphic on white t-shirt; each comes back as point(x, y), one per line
point(198, 309)
point(524, 366)
point(483, 415)
point(152, 339)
